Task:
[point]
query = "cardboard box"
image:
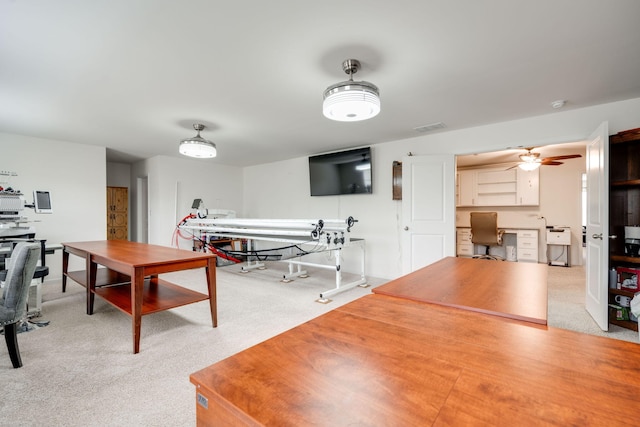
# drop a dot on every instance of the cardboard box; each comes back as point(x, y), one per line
point(628, 278)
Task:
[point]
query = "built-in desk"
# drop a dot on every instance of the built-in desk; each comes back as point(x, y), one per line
point(523, 240)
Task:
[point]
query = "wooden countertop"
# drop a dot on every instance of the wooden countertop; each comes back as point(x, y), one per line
point(384, 360)
point(508, 289)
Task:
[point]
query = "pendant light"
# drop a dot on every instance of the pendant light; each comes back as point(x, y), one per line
point(197, 146)
point(351, 101)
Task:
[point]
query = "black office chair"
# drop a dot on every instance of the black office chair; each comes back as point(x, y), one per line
point(485, 232)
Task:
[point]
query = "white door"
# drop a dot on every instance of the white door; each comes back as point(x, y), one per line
point(598, 226)
point(428, 210)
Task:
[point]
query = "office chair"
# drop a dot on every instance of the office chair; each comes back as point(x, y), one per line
point(41, 272)
point(484, 231)
point(13, 303)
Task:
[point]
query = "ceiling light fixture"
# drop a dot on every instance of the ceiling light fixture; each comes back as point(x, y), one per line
point(529, 166)
point(351, 101)
point(530, 157)
point(197, 146)
point(531, 161)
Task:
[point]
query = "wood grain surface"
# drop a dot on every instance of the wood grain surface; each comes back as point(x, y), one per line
point(384, 360)
point(516, 290)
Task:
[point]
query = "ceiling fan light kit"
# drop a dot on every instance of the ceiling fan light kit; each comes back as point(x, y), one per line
point(197, 146)
point(529, 166)
point(351, 101)
point(531, 161)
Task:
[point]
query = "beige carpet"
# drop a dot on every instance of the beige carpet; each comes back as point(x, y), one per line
point(567, 305)
point(79, 370)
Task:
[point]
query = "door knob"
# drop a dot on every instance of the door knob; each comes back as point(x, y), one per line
point(597, 236)
point(613, 236)
point(406, 228)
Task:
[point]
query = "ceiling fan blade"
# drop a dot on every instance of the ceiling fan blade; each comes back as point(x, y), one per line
point(568, 156)
point(550, 162)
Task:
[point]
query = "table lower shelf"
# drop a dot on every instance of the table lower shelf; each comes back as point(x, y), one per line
point(104, 277)
point(115, 288)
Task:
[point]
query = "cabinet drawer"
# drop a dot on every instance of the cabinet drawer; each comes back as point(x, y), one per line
point(527, 243)
point(527, 234)
point(464, 236)
point(528, 255)
point(465, 250)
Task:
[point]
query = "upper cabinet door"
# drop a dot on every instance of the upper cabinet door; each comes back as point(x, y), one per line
point(528, 187)
point(466, 186)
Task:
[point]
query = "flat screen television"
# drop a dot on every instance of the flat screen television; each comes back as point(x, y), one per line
point(343, 172)
point(42, 202)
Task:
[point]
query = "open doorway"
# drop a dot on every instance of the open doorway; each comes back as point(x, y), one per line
point(554, 201)
point(559, 205)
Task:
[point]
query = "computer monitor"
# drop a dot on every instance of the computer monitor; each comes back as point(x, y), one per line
point(42, 202)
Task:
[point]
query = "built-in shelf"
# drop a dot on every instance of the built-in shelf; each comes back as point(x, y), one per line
point(629, 324)
point(628, 183)
point(624, 199)
point(624, 258)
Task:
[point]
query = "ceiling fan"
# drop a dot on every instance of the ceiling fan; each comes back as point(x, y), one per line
point(531, 160)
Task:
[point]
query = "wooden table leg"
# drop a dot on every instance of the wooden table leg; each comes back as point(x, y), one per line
point(65, 268)
point(210, 271)
point(137, 287)
point(92, 271)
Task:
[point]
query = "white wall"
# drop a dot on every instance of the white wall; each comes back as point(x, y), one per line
point(174, 182)
point(118, 174)
point(280, 190)
point(75, 174)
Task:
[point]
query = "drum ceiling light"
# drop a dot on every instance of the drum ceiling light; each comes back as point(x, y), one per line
point(351, 101)
point(197, 146)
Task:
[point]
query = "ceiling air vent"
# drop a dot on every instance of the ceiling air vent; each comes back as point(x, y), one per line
point(429, 128)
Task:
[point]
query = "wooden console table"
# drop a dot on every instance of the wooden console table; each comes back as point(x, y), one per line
point(514, 290)
point(132, 271)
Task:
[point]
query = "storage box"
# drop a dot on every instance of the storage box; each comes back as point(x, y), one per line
point(628, 278)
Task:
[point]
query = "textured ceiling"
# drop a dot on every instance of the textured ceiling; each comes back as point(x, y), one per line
point(134, 76)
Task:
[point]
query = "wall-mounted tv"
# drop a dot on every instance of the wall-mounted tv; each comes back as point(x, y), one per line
point(343, 172)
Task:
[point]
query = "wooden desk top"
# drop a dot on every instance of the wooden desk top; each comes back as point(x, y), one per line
point(516, 290)
point(389, 361)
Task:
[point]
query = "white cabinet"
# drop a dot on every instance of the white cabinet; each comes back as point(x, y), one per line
point(528, 187)
point(465, 186)
point(527, 249)
point(498, 187)
point(464, 247)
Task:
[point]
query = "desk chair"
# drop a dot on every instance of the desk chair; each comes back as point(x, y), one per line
point(13, 303)
point(41, 272)
point(484, 231)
